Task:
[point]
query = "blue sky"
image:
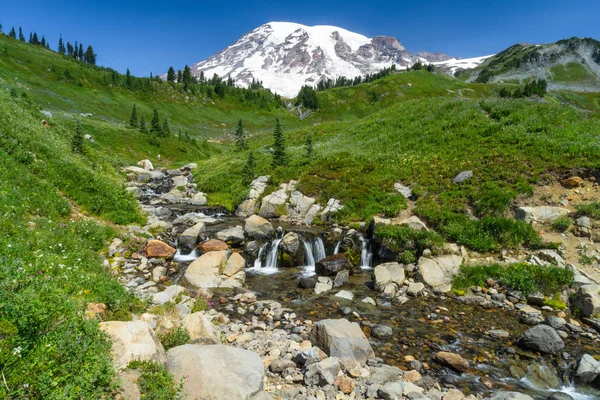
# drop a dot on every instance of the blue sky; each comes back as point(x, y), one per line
point(149, 36)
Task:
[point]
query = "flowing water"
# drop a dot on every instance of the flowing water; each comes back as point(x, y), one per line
point(366, 256)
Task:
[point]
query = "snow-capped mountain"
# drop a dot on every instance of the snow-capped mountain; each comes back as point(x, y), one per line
point(285, 56)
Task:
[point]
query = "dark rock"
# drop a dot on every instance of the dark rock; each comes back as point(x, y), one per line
point(555, 322)
point(536, 299)
point(499, 297)
point(381, 331)
point(330, 266)
point(279, 365)
point(307, 282)
point(560, 396)
point(345, 311)
point(543, 338)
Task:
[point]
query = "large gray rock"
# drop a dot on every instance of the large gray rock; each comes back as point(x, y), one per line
point(387, 273)
point(133, 340)
point(201, 330)
point(323, 372)
point(415, 223)
point(217, 372)
point(587, 299)
point(167, 295)
point(292, 246)
point(333, 206)
point(233, 236)
point(258, 228)
point(540, 214)
point(588, 370)
point(189, 238)
point(331, 265)
point(248, 206)
point(543, 338)
point(438, 272)
point(273, 205)
point(343, 340)
point(198, 199)
point(299, 205)
point(204, 271)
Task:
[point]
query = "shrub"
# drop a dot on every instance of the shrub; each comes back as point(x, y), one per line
point(562, 224)
point(591, 210)
point(402, 238)
point(155, 382)
point(493, 199)
point(175, 337)
point(202, 304)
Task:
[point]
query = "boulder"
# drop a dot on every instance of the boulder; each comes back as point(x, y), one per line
point(414, 223)
point(403, 190)
point(381, 331)
point(510, 396)
point(341, 278)
point(129, 387)
point(387, 273)
point(157, 248)
point(414, 288)
point(342, 339)
point(312, 214)
point(146, 164)
point(452, 360)
point(463, 176)
point(331, 265)
point(323, 372)
point(299, 205)
point(540, 214)
point(344, 294)
point(235, 264)
point(293, 249)
point(167, 295)
point(258, 228)
point(188, 167)
point(201, 330)
point(189, 238)
point(571, 182)
point(217, 372)
point(438, 272)
point(233, 236)
point(248, 206)
point(544, 339)
point(213, 245)
point(133, 340)
point(588, 369)
point(273, 205)
point(587, 299)
point(198, 199)
point(323, 284)
point(204, 271)
point(333, 206)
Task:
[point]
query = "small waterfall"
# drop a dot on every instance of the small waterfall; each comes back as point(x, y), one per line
point(337, 247)
point(258, 261)
point(309, 259)
point(366, 257)
point(179, 257)
point(319, 249)
point(271, 260)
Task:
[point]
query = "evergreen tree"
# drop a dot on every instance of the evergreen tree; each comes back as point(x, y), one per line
point(279, 153)
point(240, 144)
point(77, 143)
point(179, 76)
point(61, 46)
point(90, 56)
point(308, 145)
point(80, 52)
point(43, 42)
point(166, 129)
point(171, 75)
point(21, 36)
point(30, 41)
point(143, 128)
point(248, 171)
point(187, 77)
point(155, 123)
point(76, 51)
point(12, 33)
point(128, 79)
point(69, 49)
point(133, 120)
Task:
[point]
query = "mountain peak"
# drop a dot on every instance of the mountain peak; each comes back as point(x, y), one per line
point(287, 55)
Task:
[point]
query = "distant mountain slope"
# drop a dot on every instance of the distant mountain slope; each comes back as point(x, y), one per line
point(570, 64)
point(285, 56)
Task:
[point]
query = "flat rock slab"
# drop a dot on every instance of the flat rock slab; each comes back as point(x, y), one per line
point(217, 372)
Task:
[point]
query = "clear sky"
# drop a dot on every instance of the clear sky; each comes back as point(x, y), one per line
point(149, 36)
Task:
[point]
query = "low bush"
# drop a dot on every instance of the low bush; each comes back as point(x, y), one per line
point(402, 239)
point(175, 337)
point(156, 383)
point(591, 210)
point(562, 224)
point(523, 277)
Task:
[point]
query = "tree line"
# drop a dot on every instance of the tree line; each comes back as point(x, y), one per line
point(74, 51)
point(537, 87)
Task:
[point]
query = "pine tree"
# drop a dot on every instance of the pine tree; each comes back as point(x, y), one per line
point(240, 144)
point(76, 51)
point(171, 75)
point(80, 53)
point(43, 41)
point(30, 41)
point(187, 77)
point(155, 123)
point(21, 36)
point(69, 49)
point(77, 143)
point(279, 154)
point(248, 171)
point(308, 145)
point(12, 33)
point(90, 56)
point(166, 130)
point(61, 46)
point(133, 120)
point(128, 79)
point(179, 76)
point(143, 128)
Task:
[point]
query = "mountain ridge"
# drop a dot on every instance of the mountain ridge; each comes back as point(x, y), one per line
point(286, 55)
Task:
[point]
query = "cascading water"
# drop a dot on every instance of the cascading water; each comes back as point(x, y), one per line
point(258, 261)
point(179, 257)
point(366, 257)
point(309, 259)
point(319, 249)
point(270, 263)
point(337, 247)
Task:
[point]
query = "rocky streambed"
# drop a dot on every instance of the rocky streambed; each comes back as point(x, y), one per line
point(265, 297)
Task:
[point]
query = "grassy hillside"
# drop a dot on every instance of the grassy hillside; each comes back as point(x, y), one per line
point(509, 144)
point(570, 64)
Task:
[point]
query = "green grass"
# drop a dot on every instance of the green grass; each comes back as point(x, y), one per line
point(407, 241)
point(572, 72)
point(155, 382)
point(175, 337)
point(591, 210)
point(526, 278)
point(562, 224)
